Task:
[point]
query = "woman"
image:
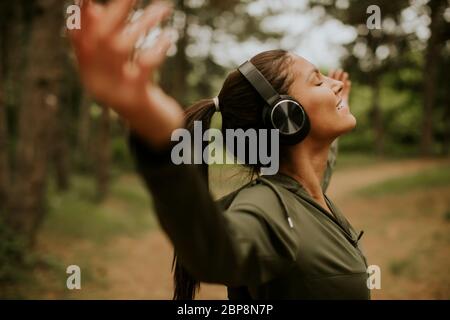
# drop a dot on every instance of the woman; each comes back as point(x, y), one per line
point(278, 237)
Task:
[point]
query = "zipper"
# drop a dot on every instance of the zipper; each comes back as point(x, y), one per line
point(347, 234)
point(333, 218)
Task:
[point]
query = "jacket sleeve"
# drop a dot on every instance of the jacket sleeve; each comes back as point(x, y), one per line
point(234, 247)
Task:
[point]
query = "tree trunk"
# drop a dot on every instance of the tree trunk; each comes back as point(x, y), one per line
point(40, 101)
point(4, 165)
point(11, 33)
point(377, 118)
point(446, 145)
point(61, 155)
point(175, 70)
point(430, 73)
point(103, 155)
point(84, 127)
point(4, 159)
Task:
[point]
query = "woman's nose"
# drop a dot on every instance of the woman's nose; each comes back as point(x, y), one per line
point(337, 86)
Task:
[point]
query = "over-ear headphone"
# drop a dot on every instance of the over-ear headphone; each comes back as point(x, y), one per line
point(280, 112)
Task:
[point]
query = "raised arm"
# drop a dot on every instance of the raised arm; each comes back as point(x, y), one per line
point(119, 77)
point(235, 248)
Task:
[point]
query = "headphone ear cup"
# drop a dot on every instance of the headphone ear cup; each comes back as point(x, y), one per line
point(299, 136)
point(290, 118)
point(266, 116)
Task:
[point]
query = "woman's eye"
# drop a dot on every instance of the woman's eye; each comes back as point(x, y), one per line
point(319, 79)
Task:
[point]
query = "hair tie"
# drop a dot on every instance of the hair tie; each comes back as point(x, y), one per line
point(216, 103)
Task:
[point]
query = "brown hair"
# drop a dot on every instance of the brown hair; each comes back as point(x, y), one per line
point(241, 108)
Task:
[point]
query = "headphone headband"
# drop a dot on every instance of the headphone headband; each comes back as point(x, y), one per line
point(259, 82)
point(280, 112)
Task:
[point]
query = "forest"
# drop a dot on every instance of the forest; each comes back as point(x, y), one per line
point(69, 193)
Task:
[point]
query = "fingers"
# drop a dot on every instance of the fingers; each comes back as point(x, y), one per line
point(84, 38)
point(151, 17)
point(153, 57)
point(331, 73)
point(339, 75)
point(85, 18)
point(115, 16)
point(349, 83)
point(344, 77)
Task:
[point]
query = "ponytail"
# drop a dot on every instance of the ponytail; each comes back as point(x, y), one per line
point(185, 285)
point(243, 111)
point(201, 111)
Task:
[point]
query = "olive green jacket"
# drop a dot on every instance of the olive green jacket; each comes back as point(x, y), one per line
point(267, 240)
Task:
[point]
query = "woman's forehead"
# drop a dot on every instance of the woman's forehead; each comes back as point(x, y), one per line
point(301, 67)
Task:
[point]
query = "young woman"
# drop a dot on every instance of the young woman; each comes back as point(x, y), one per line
point(278, 237)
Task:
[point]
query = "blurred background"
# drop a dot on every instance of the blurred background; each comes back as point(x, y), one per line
point(69, 193)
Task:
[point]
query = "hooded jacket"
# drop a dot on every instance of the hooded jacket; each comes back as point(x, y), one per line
point(267, 240)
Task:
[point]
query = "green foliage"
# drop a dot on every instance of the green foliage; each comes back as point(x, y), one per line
point(351, 160)
point(431, 178)
point(19, 264)
point(75, 214)
point(120, 153)
point(12, 255)
point(402, 116)
point(399, 267)
point(361, 139)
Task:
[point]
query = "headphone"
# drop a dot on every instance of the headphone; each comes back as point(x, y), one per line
point(280, 112)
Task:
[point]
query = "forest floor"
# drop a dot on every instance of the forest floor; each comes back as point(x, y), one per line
point(403, 206)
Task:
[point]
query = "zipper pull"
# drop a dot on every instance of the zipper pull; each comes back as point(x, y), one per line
point(355, 242)
point(291, 224)
point(360, 235)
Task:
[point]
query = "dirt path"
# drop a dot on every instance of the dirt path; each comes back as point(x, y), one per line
point(139, 268)
point(345, 181)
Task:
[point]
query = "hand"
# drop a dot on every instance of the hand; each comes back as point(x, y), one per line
point(118, 77)
point(340, 75)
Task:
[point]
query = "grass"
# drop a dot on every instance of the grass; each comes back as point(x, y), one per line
point(352, 160)
point(73, 217)
point(398, 267)
point(74, 214)
point(431, 178)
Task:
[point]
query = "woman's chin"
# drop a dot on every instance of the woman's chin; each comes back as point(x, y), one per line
point(348, 124)
point(334, 128)
point(352, 121)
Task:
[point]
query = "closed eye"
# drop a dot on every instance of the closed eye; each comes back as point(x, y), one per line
point(319, 78)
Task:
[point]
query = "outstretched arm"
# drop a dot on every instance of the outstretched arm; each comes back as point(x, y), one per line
point(234, 248)
point(117, 76)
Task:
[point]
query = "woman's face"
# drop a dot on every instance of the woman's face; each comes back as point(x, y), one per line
point(321, 98)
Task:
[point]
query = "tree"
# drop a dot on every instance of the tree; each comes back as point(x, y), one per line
point(189, 75)
point(60, 152)
point(4, 161)
point(374, 51)
point(41, 97)
point(430, 72)
point(103, 154)
point(11, 26)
